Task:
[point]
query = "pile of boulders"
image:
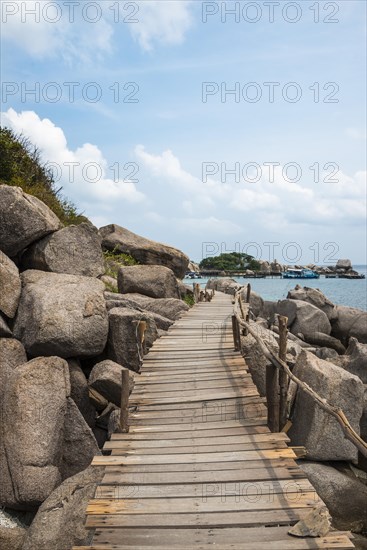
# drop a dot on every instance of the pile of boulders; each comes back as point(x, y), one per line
point(64, 340)
point(326, 349)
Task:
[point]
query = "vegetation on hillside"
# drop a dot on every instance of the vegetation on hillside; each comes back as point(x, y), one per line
point(114, 259)
point(21, 166)
point(233, 261)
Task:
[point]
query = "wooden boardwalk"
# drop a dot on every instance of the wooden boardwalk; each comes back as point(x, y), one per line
point(199, 467)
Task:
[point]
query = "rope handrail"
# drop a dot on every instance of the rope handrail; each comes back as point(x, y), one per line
point(336, 412)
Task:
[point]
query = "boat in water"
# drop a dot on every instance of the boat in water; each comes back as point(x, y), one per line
point(300, 274)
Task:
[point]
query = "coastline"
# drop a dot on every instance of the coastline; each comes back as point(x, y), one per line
point(351, 293)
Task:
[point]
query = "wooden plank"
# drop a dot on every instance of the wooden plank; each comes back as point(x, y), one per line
point(165, 506)
point(197, 424)
point(128, 442)
point(264, 445)
point(220, 456)
point(191, 467)
point(250, 490)
point(325, 543)
point(200, 534)
point(198, 434)
point(115, 475)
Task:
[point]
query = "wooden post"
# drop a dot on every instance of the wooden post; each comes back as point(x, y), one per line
point(248, 297)
point(272, 396)
point(124, 411)
point(236, 332)
point(283, 377)
point(142, 327)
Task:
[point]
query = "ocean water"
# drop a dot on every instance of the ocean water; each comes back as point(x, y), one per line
point(343, 292)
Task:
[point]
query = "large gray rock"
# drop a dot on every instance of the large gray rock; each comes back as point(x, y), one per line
point(256, 301)
point(325, 340)
point(254, 356)
point(34, 407)
point(60, 521)
point(144, 250)
point(106, 379)
point(171, 308)
point(344, 495)
point(124, 345)
point(79, 444)
point(355, 359)
point(223, 284)
point(313, 427)
point(62, 315)
point(162, 322)
point(12, 538)
point(23, 220)
point(343, 264)
point(12, 354)
point(10, 286)
point(350, 322)
point(75, 249)
point(5, 331)
point(303, 317)
point(80, 392)
point(315, 297)
point(153, 281)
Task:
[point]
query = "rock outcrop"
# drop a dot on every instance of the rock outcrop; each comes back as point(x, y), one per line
point(106, 378)
point(63, 315)
point(10, 286)
point(34, 407)
point(315, 297)
point(79, 444)
point(313, 427)
point(59, 523)
point(170, 308)
point(303, 318)
point(144, 250)
point(75, 250)
point(153, 281)
point(344, 495)
point(24, 219)
point(125, 346)
point(80, 392)
point(350, 322)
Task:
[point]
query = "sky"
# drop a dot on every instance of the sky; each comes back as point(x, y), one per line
point(210, 126)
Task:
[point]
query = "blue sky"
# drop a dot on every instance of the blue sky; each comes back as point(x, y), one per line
point(183, 147)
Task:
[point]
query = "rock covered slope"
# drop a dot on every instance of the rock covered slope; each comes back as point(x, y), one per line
point(64, 339)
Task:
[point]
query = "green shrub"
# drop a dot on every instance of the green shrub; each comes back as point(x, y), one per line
point(114, 259)
point(189, 300)
point(21, 166)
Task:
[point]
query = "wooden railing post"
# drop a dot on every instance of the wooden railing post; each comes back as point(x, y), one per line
point(124, 411)
point(272, 396)
point(248, 298)
point(283, 377)
point(236, 333)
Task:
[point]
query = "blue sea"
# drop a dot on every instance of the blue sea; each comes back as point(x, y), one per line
point(352, 293)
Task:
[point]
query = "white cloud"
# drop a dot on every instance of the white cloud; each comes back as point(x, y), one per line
point(49, 29)
point(161, 22)
point(74, 31)
point(274, 200)
point(83, 172)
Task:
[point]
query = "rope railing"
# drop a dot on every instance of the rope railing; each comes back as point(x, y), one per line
point(279, 365)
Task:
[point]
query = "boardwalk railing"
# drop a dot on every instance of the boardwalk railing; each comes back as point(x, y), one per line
point(278, 373)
